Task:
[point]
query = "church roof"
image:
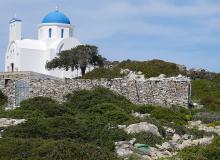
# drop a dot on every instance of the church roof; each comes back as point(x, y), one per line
point(14, 20)
point(56, 17)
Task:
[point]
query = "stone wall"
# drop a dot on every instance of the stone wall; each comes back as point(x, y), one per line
point(156, 91)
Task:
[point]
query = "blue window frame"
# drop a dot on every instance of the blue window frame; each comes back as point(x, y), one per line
point(50, 33)
point(62, 33)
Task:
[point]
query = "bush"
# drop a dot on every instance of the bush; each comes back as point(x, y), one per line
point(152, 68)
point(169, 115)
point(99, 73)
point(216, 123)
point(67, 149)
point(147, 138)
point(206, 117)
point(143, 109)
point(84, 99)
point(202, 88)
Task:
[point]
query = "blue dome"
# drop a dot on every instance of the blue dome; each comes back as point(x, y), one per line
point(56, 17)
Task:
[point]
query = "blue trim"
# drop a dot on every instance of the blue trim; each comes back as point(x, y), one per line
point(56, 17)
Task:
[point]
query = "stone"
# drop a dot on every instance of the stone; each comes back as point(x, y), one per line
point(122, 126)
point(204, 127)
point(143, 127)
point(6, 122)
point(162, 76)
point(138, 89)
point(169, 131)
point(164, 146)
point(139, 115)
point(194, 123)
point(186, 137)
point(176, 138)
point(124, 148)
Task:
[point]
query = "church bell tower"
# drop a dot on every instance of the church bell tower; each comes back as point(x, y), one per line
point(15, 29)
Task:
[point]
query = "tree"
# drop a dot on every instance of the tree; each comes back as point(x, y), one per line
point(78, 57)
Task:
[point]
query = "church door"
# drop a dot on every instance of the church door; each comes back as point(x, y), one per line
point(21, 91)
point(12, 67)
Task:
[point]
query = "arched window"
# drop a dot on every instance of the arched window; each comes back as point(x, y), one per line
point(50, 33)
point(62, 33)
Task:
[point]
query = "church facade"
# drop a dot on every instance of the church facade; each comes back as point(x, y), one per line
point(55, 34)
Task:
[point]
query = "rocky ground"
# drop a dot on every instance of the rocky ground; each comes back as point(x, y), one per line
point(6, 122)
point(167, 149)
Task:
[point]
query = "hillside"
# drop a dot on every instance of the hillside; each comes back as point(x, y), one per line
point(99, 124)
point(151, 68)
point(85, 127)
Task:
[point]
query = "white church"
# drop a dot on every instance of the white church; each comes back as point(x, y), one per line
point(55, 34)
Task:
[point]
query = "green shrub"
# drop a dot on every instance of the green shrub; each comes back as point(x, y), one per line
point(99, 73)
point(67, 149)
point(216, 123)
point(147, 138)
point(143, 109)
point(169, 115)
point(152, 68)
point(204, 88)
point(84, 99)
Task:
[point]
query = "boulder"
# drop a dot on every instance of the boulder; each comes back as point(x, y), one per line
point(124, 148)
point(6, 122)
point(176, 138)
point(142, 127)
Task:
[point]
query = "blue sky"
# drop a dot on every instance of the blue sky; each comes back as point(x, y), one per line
point(181, 31)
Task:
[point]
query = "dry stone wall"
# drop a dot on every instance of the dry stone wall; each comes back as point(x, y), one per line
point(156, 91)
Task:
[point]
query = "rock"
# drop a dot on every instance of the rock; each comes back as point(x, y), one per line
point(189, 142)
point(146, 157)
point(169, 131)
point(162, 76)
point(132, 141)
point(164, 146)
point(139, 115)
point(186, 137)
point(125, 71)
point(142, 127)
point(194, 123)
point(139, 73)
point(124, 148)
point(176, 138)
point(6, 122)
point(204, 127)
point(122, 126)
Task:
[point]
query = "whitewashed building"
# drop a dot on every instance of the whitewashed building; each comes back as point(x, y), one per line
point(55, 34)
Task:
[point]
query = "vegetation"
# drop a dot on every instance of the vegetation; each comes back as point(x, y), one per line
point(147, 138)
point(85, 126)
point(210, 152)
point(205, 88)
point(77, 58)
point(102, 72)
point(151, 68)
